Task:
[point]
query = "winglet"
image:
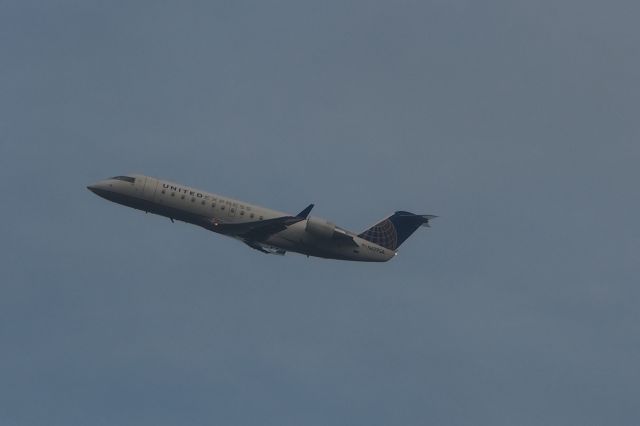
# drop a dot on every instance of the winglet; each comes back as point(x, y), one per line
point(304, 213)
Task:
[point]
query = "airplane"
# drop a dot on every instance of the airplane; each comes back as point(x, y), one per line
point(262, 229)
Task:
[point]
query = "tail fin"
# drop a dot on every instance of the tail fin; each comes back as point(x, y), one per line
point(394, 230)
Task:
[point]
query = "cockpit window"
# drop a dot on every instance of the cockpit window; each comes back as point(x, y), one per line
point(124, 178)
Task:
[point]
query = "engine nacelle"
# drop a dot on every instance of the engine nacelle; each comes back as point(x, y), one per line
point(320, 228)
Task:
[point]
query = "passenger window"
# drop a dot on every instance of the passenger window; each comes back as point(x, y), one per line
point(221, 207)
point(241, 212)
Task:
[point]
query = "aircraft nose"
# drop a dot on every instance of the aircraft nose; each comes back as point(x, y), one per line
point(95, 188)
point(98, 188)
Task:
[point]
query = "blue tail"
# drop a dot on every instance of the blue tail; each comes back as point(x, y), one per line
point(394, 230)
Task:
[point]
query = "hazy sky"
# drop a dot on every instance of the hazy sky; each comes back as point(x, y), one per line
point(516, 122)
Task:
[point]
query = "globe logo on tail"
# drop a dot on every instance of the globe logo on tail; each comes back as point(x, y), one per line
point(384, 234)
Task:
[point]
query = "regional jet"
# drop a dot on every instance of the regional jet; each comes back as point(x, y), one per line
point(266, 230)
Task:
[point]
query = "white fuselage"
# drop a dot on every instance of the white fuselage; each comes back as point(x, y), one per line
point(209, 210)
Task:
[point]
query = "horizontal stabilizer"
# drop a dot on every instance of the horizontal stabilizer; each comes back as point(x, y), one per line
point(427, 218)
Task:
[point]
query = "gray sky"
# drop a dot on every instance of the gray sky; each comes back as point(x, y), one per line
point(515, 121)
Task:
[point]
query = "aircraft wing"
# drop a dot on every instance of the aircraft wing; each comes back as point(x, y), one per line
point(262, 229)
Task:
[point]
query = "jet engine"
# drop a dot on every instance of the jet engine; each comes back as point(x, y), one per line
point(320, 228)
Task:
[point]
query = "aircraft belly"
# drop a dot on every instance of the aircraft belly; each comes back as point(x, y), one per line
point(295, 239)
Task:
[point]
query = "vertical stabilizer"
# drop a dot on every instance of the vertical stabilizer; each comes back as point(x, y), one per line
point(395, 229)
